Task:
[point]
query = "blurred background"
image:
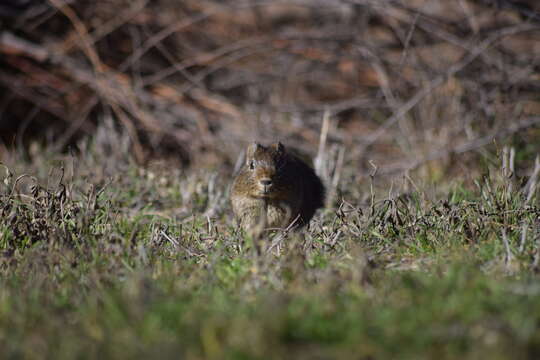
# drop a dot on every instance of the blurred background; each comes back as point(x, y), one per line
point(427, 85)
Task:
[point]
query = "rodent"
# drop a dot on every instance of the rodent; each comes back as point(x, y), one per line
point(275, 189)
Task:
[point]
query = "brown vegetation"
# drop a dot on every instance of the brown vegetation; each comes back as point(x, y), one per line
point(404, 82)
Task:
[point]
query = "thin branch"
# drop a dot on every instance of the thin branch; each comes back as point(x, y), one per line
point(439, 80)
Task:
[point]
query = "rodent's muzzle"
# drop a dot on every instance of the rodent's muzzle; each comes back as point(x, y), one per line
point(265, 186)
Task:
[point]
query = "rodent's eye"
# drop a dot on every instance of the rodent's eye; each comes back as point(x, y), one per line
point(252, 164)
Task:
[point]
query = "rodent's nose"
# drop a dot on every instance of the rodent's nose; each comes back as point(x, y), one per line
point(265, 182)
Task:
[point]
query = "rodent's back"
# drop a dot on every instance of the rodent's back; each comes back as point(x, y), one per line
point(314, 191)
point(275, 180)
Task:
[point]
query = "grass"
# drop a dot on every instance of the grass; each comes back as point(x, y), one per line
point(137, 263)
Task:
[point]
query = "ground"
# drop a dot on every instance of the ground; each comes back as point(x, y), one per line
point(104, 258)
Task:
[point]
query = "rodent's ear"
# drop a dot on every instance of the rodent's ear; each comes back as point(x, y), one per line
point(278, 147)
point(250, 151)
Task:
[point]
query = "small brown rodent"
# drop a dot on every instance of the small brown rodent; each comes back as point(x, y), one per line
point(273, 189)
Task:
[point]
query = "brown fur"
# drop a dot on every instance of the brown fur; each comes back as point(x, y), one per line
point(275, 188)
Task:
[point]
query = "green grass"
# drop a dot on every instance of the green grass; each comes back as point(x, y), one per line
point(150, 264)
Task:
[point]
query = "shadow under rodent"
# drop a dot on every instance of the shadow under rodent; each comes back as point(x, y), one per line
point(275, 189)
